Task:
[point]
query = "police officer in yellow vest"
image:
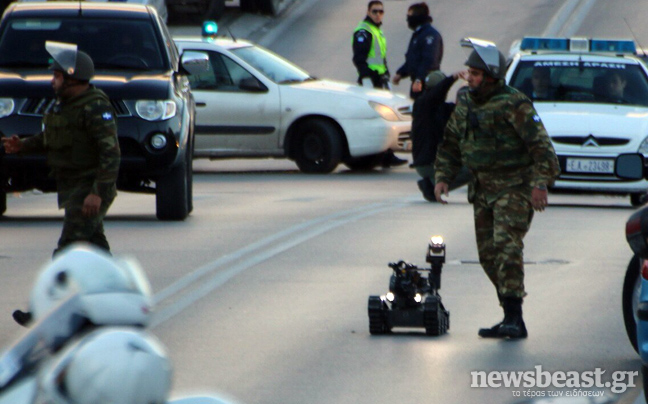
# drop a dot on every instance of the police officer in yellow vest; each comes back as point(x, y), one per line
point(370, 59)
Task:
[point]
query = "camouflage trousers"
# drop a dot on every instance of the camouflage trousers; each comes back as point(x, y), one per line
point(76, 226)
point(500, 227)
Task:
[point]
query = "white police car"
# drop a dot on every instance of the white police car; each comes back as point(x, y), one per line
point(253, 103)
point(592, 95)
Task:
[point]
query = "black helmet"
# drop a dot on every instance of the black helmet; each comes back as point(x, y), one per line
point(73, 63)
point(485, 56)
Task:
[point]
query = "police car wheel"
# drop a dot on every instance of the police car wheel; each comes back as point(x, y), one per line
point(317, 146)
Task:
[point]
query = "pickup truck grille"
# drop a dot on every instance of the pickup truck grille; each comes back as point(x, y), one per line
point(40, 106)
point(581, 140)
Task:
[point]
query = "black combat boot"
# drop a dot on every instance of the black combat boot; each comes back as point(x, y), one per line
point(22, 317)
point(427, 189)
point(513, 325)
point(492, 332)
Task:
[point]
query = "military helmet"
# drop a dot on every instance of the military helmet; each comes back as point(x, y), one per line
point(68, 59)
point(485, 56)
point(434, 78)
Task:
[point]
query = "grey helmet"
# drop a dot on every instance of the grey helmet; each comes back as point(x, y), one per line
point(434, 78)
point(68, 59)
point(485, 56)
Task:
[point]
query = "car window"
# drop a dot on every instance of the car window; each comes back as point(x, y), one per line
point(271, 65)
point(224, 74)
point(582, 81)
point(112, 44)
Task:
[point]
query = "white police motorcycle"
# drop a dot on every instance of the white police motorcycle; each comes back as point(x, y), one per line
point(87, 344)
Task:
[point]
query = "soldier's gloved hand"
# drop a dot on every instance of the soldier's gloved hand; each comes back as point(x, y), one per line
point(91, 205)
point(441, 188)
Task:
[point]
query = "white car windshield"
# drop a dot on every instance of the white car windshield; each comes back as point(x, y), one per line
point(272, 65)
point(582, 81)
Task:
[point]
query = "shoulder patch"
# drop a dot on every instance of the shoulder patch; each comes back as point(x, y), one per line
point(107, 116)
point(536, 118)
point(429, 40)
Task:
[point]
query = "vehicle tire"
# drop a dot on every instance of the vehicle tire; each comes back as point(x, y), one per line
point(364, 163)
point(189, 160)
point(268, 6)
point(630, 299)
point(637, 199)
point(214, 9)
point(171, 195)
point(248, 6)
point(318, 146)
point(3, 202)
point(376, 310)
point(644, 378)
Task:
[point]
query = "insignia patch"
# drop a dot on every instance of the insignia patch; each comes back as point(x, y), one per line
point(536, 118)
point(361, 39)
point(107, 116)
point(429, 40)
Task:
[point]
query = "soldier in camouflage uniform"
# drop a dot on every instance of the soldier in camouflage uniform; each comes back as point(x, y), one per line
point(496, 133)
point(80, 139)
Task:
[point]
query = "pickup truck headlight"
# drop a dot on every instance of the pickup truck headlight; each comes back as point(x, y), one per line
point(643, 147)
point(155, 110)
point(6, 107)
point(384, 111)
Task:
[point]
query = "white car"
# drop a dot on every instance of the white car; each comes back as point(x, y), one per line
point(594, 104)
point(253, 103)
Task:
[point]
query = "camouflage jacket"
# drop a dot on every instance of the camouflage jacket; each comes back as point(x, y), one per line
point(80, 138)
point(500, 138)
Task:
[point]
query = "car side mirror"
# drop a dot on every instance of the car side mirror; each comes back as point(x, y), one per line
point(194, 62)
point(253, 85)
point(630, 166)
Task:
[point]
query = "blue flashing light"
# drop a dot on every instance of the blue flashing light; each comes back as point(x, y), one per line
point(537, 43)
point(209, 29)
point(613, 45)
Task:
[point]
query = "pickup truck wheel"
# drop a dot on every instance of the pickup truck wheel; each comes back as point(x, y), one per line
point(171, 194)
point(318, 147)
point(364, 163)
point(248, 6)
point(268, 6)
point(3, 202)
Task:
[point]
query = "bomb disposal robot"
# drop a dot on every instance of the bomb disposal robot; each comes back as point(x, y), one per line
point(412, 300)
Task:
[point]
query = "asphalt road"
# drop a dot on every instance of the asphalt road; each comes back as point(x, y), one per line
point(262, 292)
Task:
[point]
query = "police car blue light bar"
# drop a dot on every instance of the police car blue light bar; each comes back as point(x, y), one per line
point(618, 46)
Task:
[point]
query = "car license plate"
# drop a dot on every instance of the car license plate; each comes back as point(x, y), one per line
point(590, 166)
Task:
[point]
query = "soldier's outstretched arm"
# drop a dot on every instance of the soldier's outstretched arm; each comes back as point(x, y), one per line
point(12, 144)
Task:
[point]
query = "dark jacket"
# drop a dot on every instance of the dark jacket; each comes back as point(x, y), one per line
point(361, 47)
point(430, 114)
point(424, 53)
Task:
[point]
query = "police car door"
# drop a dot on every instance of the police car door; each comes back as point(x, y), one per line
point(237, 114)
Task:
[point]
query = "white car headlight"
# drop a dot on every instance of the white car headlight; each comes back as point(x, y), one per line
point(155, 110)
point(643, 147)
point(384, 111)
point(6, 107)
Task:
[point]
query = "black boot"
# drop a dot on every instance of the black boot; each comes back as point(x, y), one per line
point(22, 317)
point(390, 160)
point(492, 332)
point(513, 325)
point(427, 189)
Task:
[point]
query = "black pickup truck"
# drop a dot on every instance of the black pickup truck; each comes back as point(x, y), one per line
point(136, 64)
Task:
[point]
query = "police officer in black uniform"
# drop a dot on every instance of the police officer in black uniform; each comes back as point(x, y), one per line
point(425, 49)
